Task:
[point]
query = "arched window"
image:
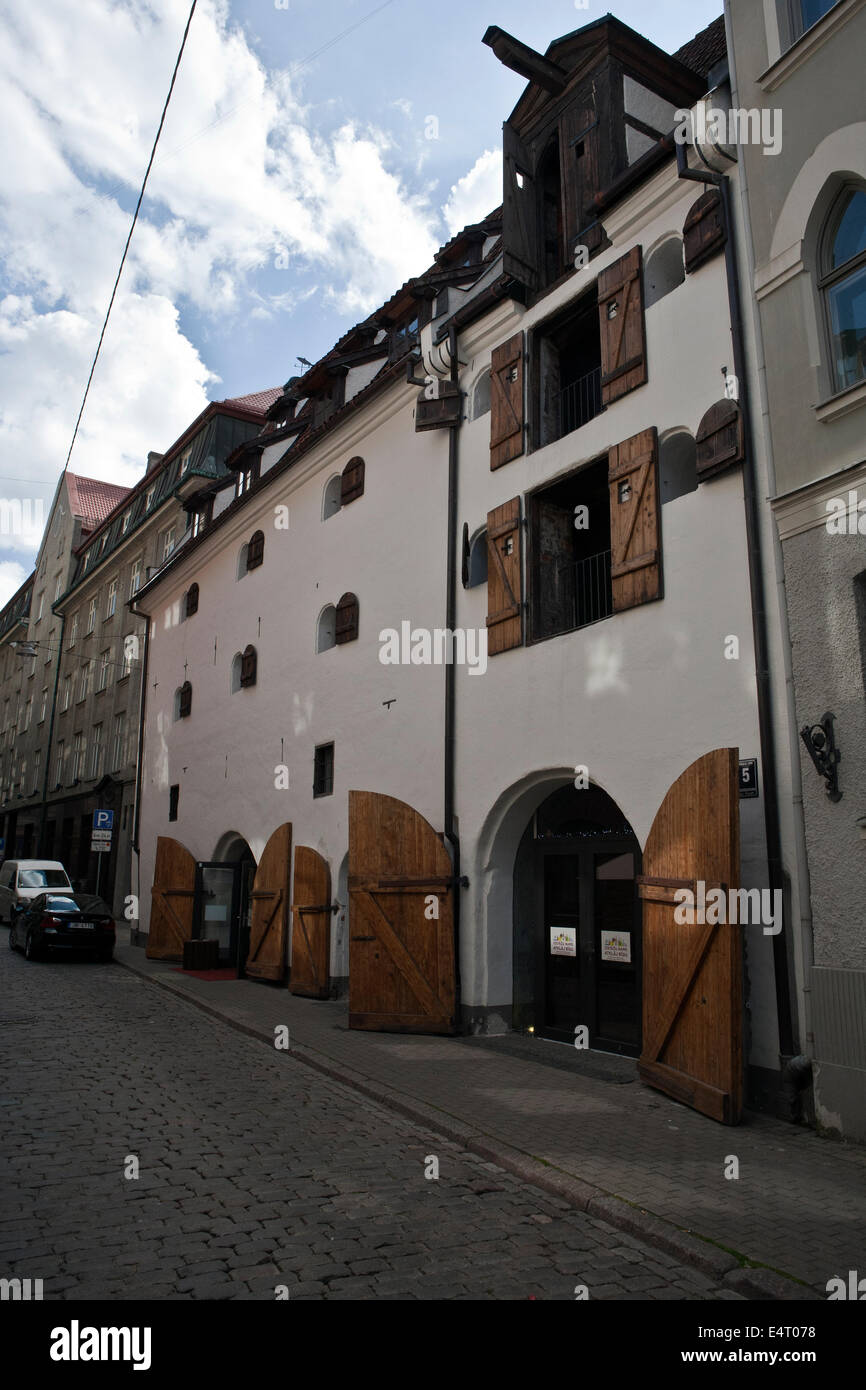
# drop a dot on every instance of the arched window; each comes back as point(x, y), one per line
point(678, 470)
point(332, 500)
point(242, 560)
point(326, 632)
point(256, 550)
point(183, 701)
point(237, 668)
point(190, 602)
point(347, 619)
point(664, 270)
point(477, 559)
point(842, 280)
point(353, 481)
point(481, 396)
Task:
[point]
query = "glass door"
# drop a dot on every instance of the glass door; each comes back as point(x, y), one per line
point(616, 952)
point(561, 979)
point(216, 908)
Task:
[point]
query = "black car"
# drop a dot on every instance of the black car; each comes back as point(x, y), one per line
point(63, 922)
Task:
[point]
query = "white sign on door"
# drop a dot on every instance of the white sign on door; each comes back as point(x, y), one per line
point(616, 945)
point(563, 941)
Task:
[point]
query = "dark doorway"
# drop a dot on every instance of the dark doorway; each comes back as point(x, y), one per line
point(583, 859)
point(223, 903)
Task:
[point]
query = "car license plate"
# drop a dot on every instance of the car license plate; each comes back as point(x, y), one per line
point(82, 926)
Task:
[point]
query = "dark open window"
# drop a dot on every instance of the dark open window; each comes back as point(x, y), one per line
point(568, 373)
point(191, 601)
point(569, 580)
point(173, 799)
point(256, 550)
point(249, 665)
point(184, 700)
point(323, 770)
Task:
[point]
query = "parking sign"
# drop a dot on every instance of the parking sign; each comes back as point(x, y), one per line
point(103, 820)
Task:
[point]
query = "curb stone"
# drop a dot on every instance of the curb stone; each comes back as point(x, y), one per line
point(755, 1283)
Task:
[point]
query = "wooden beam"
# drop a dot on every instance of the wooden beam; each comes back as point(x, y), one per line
point(525, 60)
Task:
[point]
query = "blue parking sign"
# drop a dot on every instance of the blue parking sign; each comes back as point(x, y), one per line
point(103, 820)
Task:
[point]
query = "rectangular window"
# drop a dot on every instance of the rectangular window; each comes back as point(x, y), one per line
point(37, 766)
point(50, 651)
point(22, 773)
point(173, 799)
point(796, 16)
point(28, 714)
point(104, 668)
point(199, 521)
point(128, 649)
point(40, 606)
point(58, 587)
point(125, 520)
point(96, 752)
point(135, 578)
point(111, 607)
point(58, 763)
point(167, 543)
point(73, 630)
point(84, 682)
point(91, 615)
point(244, 482)
point(118, 742)
point(79, 756)
point(569, 555)
point(148, 500)
point(66, 698)
point(568, 373)
point(43, 707)
point(323, 770)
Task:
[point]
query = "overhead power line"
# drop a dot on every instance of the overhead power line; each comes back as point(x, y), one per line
point(131, 230)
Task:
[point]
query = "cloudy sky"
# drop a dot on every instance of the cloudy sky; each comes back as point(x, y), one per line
point(295, 187)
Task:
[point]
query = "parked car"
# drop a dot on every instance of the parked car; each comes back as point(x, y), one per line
point(63, 922)
point(21, 880)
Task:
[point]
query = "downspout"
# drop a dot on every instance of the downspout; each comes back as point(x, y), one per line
point(451, 674)
point(142, 700)
point(44, 816)
point(772, 831)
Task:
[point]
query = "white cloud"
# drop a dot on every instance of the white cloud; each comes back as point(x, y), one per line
point(12, 576)
point(476, 194)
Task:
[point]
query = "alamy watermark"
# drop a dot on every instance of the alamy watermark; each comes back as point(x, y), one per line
point(439, 646)
point(738, 126)
point(719, 907)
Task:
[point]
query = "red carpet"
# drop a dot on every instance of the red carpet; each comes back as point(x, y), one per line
point(207, 974)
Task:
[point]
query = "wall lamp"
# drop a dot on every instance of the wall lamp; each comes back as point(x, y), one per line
point(820, 741)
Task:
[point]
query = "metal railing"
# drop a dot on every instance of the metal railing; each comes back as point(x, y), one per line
point(575, 593)
point(579, 402)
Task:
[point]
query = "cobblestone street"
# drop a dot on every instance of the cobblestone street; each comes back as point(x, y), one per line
point(255, 1171)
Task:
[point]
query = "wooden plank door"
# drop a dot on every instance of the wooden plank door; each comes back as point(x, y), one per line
point(692, 980)
point(270, 916)
point(311, 925)
point(171, 903)
point(401, 942)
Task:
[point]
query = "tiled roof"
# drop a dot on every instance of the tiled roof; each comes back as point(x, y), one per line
point(92, 499)
point(706, 49)
point(259, 400)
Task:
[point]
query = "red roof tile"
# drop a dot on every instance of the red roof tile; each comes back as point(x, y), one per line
point(259, 400)
point(92, 499)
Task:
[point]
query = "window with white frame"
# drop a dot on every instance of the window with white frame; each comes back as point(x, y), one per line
point(135, 578)
point(168, 539)
point(91, 615)
point(96, 752)
point(73, 629)
point(58, 587)
point(104, 668)
point(842, 283)
point(118, 742)
point(84, 681)
point(43, 707)
point(148, 499)
point(59, 759)
point(66, 697)
point(79, 756)
point(244, 482)
point(125, 520)
point(111, 605)
point(128, 649)
point(40, 606)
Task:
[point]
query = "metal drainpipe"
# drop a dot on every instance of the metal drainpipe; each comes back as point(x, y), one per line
point(451, 673)
point(43, 819)
point(142, 697)
point(759, 615)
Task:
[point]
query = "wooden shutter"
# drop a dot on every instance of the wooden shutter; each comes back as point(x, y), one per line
point(635, 521)
point(249, 666)
point(504, 578)
point(506, 402)
point(185, 701)
point(256, 550)
point(621, 325)
point(171, 902)
point(704, 229)
point(720, 439)
point(578, 145)
point(519, 211)
point(191, 600)
point(692, 974)
point(347, 619)
point(311, 925)
point(270, 915)
point(352, 481)
point(401, 958)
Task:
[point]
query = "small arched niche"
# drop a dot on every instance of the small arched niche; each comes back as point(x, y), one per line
point(331, 502)
point(326, 630)
point(664, 270)
point(678, 465)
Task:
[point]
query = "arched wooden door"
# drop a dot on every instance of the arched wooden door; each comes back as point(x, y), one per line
point(269, 925)
point(171, 901)
point(311, 925)
point(692, 974)
point(401, 941)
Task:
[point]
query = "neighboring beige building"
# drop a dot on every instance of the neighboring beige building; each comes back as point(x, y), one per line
point(800, 63)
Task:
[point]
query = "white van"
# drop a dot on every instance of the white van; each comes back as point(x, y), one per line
point(23, 879)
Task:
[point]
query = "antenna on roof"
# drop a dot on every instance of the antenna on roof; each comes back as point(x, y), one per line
point(304, 361)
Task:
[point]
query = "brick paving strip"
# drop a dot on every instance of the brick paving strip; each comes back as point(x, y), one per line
point(621, 1153)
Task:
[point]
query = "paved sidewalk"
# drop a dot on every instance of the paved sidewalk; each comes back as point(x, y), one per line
point(798, 1206)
